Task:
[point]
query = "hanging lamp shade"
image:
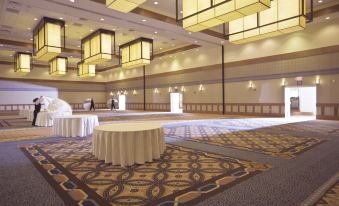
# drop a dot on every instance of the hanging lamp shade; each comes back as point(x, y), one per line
point(23, 63)
point(136, 53)
point(48, 38)
point(284, 16)
point(58, 66)
point(98, 47)
point(86, 70)
point(124, 6)
point(202, 14)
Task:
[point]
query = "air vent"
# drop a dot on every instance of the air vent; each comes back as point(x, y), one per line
point(83, 19)
point(15, 11)
point(77, 24)
point(131, 30)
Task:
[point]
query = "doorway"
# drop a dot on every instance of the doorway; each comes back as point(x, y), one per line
point(176, 102)
point(301, 102)
point(122, 102)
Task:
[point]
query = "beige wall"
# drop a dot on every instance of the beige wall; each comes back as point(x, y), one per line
point(22, 92)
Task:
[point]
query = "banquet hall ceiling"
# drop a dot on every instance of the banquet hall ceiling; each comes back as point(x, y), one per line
point(19, 17)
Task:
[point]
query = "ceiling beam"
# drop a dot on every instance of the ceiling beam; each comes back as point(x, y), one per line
point(30, 46)
point(34, 65)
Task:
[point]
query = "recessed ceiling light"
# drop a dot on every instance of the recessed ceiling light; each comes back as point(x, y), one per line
point(35, 19)
point(66, 25)
point(156, 3)
point(72, 1)
point(78, 45)
point(102, 19)
point(160, 48)
point(320, 1)
point(11, 55)
point(91, 30)
point(195, 41)
point(27, 51)
point(155, 32)
point(28, 28)
point(71, 56)
point(144, 20)
point(327, 18)
point(189, 33)
point(1, 45)
point(180, 12)
point(31, 39)
point(61, 18)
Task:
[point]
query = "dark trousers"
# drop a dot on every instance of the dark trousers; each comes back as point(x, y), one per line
point(92, 107)
point(35, 116)
point(112, 106)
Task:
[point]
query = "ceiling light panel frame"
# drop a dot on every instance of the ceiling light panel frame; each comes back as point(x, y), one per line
point(86, 70)
point(124, 6)
point(58, 66)
point(203, 14)
point(264, 28)
point(49, 38)
point(21, 67)
point(98, 47)
point(132, 56)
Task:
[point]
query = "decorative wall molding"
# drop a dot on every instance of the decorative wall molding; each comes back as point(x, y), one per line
point(17, 107)
point(328, 111)
point(246, 109)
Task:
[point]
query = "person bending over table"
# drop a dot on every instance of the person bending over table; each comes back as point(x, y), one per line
point(37, 108)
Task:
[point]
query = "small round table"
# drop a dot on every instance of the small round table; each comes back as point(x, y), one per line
point(75, 125)
point(126, 144)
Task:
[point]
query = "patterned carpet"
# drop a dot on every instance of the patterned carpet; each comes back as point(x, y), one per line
point(326, 195)
point(14, 122)
point(274, 137)
point(181, 177)
point(24, 134)
point(331, 197)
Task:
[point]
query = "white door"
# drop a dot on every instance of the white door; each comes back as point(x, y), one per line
point(176, 102)
point(287, 103)
point(122, 102)
point(308, 99)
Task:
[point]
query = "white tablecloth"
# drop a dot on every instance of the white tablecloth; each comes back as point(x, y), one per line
point(128, 143)
point(75, 125)
point(27, 113)
point(44, 119)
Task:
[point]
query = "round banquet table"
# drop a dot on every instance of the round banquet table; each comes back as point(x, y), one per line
point(126, 144)
point(75, 125)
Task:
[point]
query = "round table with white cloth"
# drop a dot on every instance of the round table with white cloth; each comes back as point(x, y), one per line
point(126, 144)
point(75, 125)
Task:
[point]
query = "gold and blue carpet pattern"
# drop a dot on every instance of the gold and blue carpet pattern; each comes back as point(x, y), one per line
point(272, 137)
point(181, 177)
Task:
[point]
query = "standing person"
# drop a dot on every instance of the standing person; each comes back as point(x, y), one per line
point(37, 108)
point(92, 105)
point(112, 104)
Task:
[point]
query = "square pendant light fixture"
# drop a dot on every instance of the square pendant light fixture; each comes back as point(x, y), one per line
point(86, 70)
point(23, 63)
point(136, 53)
point(284, 16)
point(124, 6)
point(48, 38)
point(58, 66)
point(98, 47)
point(202, 14)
